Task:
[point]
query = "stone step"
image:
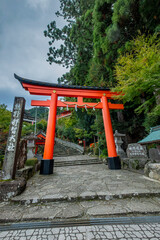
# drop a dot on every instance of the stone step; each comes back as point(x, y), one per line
point(61, 154)
point(83, 192)
point(75, 160)
point(80, 210)
point(61, 150)
point(63, 164)
point(84, 196)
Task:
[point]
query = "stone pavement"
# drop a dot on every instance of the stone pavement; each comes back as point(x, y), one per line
point(97, 232)
point(83, 192)
point(87, 182)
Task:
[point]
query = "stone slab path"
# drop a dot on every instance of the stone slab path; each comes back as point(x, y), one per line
point(87, 182)
point(83, 192)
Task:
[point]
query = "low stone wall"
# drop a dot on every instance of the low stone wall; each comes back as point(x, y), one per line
point(152, 170)
point(26, 172)
point(11, 188)
point(132, 163)
point(70, 145)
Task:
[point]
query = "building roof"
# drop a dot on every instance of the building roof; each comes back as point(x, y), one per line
point(41, 134)
point(47, 84)
point(153, 137)
point(28, 118)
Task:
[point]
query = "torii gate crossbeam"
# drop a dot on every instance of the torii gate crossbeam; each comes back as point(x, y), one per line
point(57, 90)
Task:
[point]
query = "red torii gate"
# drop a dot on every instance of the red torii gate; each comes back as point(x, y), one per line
point(57, 90)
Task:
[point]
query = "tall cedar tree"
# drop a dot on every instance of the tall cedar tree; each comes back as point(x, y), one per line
point(96, 33)
point(76, 37)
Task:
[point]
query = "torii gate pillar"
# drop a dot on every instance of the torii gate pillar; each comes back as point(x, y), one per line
point(113, 160)
point(47, 163)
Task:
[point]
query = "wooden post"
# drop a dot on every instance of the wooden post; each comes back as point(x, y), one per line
point(113, 159)
point(47, 163)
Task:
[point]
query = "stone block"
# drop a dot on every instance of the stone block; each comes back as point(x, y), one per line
point(154, 155)
point(26, 172)
point(133, 163)
point(152, 170)
point(137, 163)
point(12, 188)
point(137, 151)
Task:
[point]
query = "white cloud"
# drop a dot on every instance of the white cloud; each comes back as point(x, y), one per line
point(24, 50)
point(42, 4)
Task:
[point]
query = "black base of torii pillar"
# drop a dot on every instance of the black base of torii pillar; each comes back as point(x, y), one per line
point(114, 163)
point(47, 166)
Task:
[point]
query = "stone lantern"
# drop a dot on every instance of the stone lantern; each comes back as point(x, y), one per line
point(31, 146)
point(118, 141)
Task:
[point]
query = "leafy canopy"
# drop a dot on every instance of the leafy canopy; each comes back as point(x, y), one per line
point(138, 74)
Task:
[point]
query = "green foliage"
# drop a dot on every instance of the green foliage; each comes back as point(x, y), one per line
point(137, 73)
point(65, 128)
point(27, 129)
point(42, 112)
point(77, 126)
point(97, 32)
point(31, 162)
point(42, 125)
point(152, 118)
point(75, 50)
point(115, 23)
point(79, 133)
point(5, 119)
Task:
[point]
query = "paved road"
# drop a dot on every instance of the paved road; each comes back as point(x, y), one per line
point(122, 228)
point(97, 232)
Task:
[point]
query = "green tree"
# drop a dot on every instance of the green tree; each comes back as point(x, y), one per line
point(76, 37)
point(27, 129)
point(138, 73)
point(42, 112)
point(42, 125)
point(115, 23)
point(97, 32)
point(5, 119)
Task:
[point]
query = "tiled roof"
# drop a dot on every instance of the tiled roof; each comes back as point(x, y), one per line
point(47, 84)
point(153, 137)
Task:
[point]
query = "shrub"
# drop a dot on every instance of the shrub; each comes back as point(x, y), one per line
point(31, 162)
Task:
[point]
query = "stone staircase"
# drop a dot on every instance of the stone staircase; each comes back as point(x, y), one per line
point(63, 151)
point(75, 160)
point(66, 156)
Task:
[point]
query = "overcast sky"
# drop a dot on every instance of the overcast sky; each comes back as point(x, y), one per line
point(23, 47)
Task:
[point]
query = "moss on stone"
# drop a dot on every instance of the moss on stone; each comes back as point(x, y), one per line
point(31, 162)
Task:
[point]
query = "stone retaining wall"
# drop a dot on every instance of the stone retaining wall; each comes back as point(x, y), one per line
point(11, 188)
point(70, 145)
point(152, 170)
point(133, 163)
